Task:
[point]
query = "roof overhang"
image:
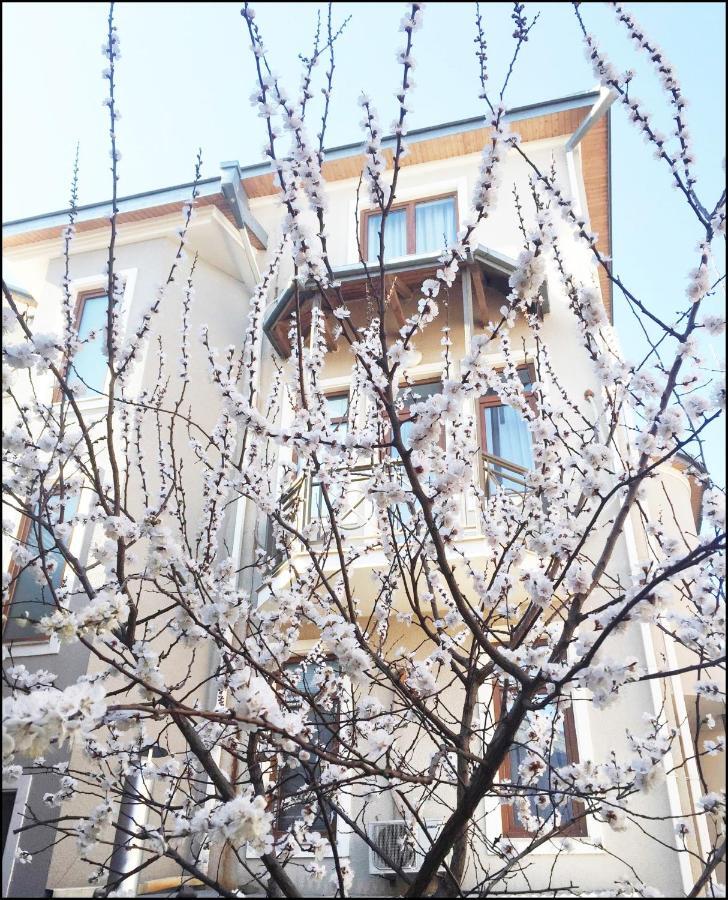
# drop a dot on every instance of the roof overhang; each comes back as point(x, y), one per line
point(581, 119)
point(494, 268)
point(226, 193)
point(538, 121)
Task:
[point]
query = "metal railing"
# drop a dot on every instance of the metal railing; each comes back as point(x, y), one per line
point(303, 502)
point(288, 507)
point(501, 473)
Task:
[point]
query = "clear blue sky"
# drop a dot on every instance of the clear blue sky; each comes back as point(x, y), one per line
point(186, 75)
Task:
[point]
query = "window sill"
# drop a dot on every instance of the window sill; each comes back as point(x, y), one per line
point(96, 403)
point(582, 846)
point(342, 851)
point(42, 647)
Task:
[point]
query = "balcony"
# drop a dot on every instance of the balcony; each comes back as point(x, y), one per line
point(486, 287)
point(302, 505)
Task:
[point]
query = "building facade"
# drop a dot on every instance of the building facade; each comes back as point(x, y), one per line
point(237, 222)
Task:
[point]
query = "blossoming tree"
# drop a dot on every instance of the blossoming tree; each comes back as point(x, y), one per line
point(470, 714)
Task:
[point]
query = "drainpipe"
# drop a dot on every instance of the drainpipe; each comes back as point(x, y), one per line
point(604, 101)
point(129, 825)
point(576, 189)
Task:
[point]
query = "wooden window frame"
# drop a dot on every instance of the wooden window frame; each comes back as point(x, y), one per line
point(276, 802)
point(26, 523)
point(80, 303)
point(410, 226)
point(490, 402)
point(577, 827)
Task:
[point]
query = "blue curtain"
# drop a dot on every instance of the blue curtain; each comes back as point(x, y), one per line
point(508, 435)
point(395, 235)
point(435, 224)
point(89, 364)
point(557, 757)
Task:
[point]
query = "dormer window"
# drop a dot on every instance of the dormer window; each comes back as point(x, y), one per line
point(417, 227)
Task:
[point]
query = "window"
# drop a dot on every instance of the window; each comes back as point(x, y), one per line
point(88, 370)
point(505, 435)
point(26, 594)
point(418, 394)
point(293, 780)
point(395, 235)
point(562, 751)
point(434, 224)
point(415, 227)
point(8, 806)
point(337, 406)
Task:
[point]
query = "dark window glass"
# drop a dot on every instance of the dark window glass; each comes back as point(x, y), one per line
point(28, 596)
point(293, 781)
point(8, 806)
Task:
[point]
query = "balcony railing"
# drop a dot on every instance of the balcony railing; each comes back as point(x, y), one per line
point(501, 473)
point(303, 503)
point(288, 507)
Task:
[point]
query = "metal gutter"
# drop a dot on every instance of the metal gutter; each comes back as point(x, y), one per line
point(605, 98)
point(445, 129)
point(601, 107)
point(234, 192)
point(21, 294)
point(144, 200)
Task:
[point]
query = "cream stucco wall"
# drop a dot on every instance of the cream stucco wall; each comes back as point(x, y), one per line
point(223, 283)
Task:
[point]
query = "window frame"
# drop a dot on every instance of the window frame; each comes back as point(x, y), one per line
point(82, 296)
point(334, 421)
point(405, 415)
point(277, 799)
point(22, 791)
point(23, 530)
point(410, 226)
point(337, 395)
point(489, 402)
point(486, 402)
point(576, 827)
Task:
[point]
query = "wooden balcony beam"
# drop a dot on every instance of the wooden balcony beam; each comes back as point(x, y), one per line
point(393, 301)
point(476, 277)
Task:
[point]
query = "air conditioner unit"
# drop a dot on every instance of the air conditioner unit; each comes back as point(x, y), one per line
point(400, 842)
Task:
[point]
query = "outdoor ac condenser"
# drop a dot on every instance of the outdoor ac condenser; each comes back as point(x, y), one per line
point(404, 844)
